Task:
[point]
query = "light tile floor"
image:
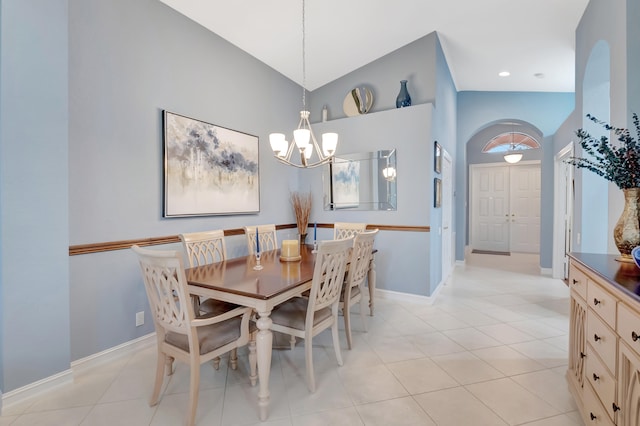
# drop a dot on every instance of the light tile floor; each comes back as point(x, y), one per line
point(491, 350)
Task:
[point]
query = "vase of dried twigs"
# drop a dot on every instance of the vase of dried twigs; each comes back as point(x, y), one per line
point(301, 202)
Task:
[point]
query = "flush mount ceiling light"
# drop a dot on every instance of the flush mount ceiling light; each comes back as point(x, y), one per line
point(504, 73)
point(512, 156)
point(304, 139)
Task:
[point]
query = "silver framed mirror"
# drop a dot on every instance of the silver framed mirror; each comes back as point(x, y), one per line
point(361, 181)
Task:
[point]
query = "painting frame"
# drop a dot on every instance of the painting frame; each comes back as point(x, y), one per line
point(208, 170)
point(437, 192)
point(437, 157)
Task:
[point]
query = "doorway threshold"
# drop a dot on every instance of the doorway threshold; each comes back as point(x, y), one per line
point(500, 253)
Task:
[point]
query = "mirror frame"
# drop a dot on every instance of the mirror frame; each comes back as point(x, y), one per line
point(356, 182)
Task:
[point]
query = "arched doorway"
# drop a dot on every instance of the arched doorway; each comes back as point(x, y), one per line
point(504, 197)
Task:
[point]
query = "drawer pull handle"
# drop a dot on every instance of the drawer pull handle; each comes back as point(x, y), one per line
point(596, 301)
point(595, 377)
point(596, 337)
point(575, 281)
point(593, 417)
point(582, 354)
point(635, 336)
point(615, 407)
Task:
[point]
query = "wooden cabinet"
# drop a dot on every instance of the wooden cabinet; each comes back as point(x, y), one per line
point(629, 387)
point(577, 331)
point(604, 340)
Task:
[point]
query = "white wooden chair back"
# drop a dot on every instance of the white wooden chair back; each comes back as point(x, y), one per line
point(266, 234)
point(328, 275)
point(343, 230)
point(166, 286)
point(360, 258)
point(205, 247)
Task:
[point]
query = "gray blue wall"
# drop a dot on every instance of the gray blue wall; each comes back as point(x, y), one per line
point(603, 22)
point(34, 192)
point(477, 110)
point(423, 64)
point(127, 62)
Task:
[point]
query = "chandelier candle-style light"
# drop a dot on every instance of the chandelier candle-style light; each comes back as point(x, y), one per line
point(389, 173)
point(304, 139)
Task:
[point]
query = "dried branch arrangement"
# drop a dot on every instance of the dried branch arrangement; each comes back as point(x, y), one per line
point(618, 162)
point(302, 208)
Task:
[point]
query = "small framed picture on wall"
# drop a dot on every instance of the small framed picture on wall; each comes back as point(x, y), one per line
point(437, 192)
point(437, 157)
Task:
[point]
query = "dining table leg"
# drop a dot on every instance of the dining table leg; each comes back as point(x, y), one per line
point(371, 278)
point(264, 345)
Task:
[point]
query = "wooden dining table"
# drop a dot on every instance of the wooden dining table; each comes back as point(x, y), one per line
point(236, 281)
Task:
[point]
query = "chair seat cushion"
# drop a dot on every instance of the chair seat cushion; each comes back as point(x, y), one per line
point(211, 337)
point(293, 313)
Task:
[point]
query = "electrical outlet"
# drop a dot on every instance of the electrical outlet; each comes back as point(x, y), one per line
point(139, 318)
point(578, 239)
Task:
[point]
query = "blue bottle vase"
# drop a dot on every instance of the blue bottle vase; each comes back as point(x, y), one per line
point(403, 99)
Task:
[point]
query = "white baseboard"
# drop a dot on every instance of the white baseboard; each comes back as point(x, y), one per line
point(408, 297)
point(546, 271)
point(31, 390)
point(110, 354)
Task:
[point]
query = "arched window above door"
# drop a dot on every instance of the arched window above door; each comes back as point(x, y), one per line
point(510, 141)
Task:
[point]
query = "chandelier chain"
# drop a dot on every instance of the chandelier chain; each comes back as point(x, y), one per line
point(304, 140)
point(304, 62)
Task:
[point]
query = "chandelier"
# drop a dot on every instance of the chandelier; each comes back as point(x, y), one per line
point(303, 138)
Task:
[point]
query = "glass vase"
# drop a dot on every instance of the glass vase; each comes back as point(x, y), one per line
point(403, 99)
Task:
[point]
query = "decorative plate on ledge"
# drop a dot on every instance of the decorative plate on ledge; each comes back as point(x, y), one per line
point(358, 101)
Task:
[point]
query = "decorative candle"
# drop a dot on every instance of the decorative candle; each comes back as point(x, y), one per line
point(257, 242)
point(315, 230)
point(290, 248)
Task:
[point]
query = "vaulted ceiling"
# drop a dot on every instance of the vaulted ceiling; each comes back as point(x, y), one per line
point(532, 39)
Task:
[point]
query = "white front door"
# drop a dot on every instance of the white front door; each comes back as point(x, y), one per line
point(447, 203)
point(490, 208)
point(525, 208)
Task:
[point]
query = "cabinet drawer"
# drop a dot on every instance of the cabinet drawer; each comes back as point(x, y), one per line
point(601, 381)
point(594, 413)
point(578, 281)
point(629, 326)
point(603, 340)
point(601, 302)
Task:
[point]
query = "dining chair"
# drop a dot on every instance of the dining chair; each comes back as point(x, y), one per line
point(347, 229)
point(203, 248)
point(266, 235)
point(355, 277)
point(181, 334)
point(306, 317)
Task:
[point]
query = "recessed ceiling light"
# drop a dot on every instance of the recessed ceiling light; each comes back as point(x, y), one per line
point(504, 73)
point(538, 75)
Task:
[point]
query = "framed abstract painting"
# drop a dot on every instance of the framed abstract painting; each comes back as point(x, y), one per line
point(208, 169)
